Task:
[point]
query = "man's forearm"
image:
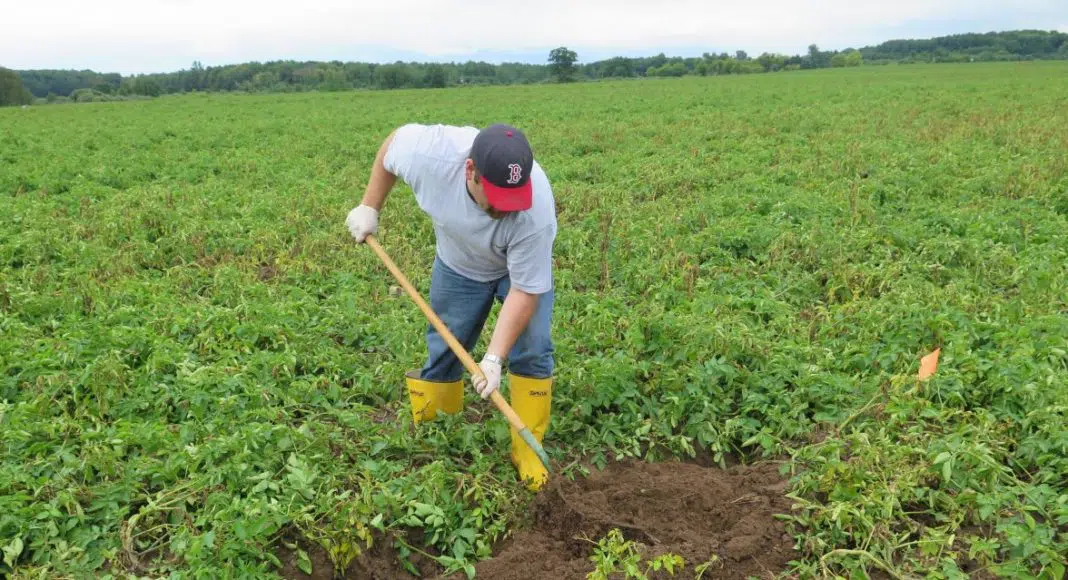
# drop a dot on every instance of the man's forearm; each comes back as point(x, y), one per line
point(515, 314)
point(381, 180)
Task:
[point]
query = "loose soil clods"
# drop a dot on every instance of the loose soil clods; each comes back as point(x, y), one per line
point(696, 512)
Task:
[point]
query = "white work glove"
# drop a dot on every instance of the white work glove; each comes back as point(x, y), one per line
point(492, 382)
point(362, 220)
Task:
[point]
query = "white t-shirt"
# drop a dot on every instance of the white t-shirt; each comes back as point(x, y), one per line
point(430, 159)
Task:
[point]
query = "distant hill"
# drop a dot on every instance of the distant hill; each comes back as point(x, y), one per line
point(286, 76)
point(990, 46)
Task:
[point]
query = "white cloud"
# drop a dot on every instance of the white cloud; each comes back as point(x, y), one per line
point(131, 35)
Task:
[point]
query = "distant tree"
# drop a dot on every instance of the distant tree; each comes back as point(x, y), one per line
point(140, 85)
point(815, 58)
point(359, 74)
point(771, 62)
point(435, 76)
point(12, 91)
point(673, 69)
point(562, 63)
point(333, 79)
point(655, 61)
point(196, 76)
point(850, 57)
point(146, 86)
point(618, 66)
point(999, 46)
point(392, 76)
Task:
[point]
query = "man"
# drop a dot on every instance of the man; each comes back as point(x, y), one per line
point(494, 221)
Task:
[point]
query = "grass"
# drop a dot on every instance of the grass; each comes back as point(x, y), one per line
point(199, 365)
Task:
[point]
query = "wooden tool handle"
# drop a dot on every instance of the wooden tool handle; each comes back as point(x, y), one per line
point(454, 344)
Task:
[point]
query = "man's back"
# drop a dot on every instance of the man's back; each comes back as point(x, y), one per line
point(430, 159)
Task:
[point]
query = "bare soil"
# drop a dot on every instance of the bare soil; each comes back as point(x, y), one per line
point(700, 513)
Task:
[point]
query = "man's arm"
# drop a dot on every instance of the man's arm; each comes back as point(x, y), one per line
point(515, 314)
point(530, 266)
point(381, 180)
point(363, 219)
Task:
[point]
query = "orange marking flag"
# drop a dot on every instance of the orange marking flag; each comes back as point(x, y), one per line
point(928, 364)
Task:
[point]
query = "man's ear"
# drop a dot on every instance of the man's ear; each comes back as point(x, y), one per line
point(471, 170)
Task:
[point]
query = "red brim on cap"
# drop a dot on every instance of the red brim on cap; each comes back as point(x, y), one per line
point(509, 198)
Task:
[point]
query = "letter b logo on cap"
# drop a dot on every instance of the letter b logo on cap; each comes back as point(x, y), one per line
point(516, 173)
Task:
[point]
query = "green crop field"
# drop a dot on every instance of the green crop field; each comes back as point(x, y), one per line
point(203, 375)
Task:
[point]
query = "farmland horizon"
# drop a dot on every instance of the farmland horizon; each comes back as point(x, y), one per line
point(585, 55)
point(60, 86)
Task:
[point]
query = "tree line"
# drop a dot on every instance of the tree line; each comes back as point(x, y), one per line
point(289, 75)
point(12, 91)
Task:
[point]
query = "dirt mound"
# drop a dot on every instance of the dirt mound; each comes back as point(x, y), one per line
point(699, 513)
point(696, 512)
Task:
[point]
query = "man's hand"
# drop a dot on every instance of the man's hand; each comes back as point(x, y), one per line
point(492, 370)
point(362, 220)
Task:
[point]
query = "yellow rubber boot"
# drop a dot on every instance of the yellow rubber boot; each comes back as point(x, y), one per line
point(429, 397)
point(531, 400)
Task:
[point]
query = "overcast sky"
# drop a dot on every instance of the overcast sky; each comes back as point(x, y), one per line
point(133, 36)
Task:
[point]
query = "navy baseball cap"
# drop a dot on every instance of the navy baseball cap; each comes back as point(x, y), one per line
point(503, 158)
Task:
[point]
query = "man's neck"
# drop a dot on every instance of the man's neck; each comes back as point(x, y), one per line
point(490, 212)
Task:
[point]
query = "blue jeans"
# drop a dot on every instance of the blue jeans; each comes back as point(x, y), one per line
point(464, 305)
